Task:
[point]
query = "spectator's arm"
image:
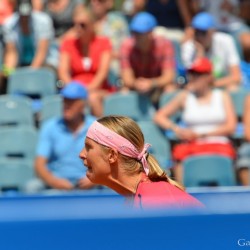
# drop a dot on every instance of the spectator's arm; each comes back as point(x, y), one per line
point(231, 80)
point(167, 77)
point(128, 78)
point(64, 67)
point(185, 11)
point(11, 56)
point(168, 67)
point(228, 127)
point(162, 116)
point(52, 181)
point(41, 53)
point(102, 72)
point(246, 118)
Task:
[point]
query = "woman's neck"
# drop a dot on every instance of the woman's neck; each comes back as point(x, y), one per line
point(125, 186)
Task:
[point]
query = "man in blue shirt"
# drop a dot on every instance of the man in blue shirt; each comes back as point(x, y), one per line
point(57, 162)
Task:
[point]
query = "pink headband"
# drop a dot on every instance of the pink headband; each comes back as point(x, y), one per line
point(109, 138)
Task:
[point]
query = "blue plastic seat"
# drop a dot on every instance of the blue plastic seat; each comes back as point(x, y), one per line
point(160, 146)
point(208, 170)
point(51, 107)
point(35, 83)
point(131, 104)
point(18, 142)
point(15, 110)
point(15, 174)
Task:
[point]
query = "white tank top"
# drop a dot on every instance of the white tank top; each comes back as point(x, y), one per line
point(204, 118)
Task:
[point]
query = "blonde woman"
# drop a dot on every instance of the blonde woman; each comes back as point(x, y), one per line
point(116, 156)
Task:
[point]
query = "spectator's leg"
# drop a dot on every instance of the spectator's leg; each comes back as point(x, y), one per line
point(243, 175)
point(245, 43)
point(96, 102)
point(178, 173)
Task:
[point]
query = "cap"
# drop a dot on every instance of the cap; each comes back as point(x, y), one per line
point(201, 65)
point(143, 22)
point(74, 90)
point(203, 21)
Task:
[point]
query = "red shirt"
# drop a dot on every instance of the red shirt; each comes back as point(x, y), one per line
point(162, 194)
point(160, 57)
point(82, 69)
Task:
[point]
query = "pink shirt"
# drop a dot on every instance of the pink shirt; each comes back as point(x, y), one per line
point(162, 194)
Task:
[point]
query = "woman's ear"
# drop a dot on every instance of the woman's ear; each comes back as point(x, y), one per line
point(113, 155)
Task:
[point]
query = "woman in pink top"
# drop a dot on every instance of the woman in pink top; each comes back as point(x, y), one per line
point(116, 156)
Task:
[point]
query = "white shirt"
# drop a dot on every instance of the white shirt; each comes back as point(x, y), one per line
point(223, 53)
point(204, 118)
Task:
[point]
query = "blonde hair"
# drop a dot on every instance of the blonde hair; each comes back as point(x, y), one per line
point(129, 129)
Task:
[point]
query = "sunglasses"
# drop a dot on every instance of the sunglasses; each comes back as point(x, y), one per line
point(200, 32)
point(82, 25)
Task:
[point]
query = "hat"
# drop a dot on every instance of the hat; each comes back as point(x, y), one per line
point(74, 90)
point(143, 22)
point(203, 21)
point(201, 65)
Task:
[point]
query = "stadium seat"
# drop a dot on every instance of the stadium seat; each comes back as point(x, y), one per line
point(18, 142)
point(160, 146)
point(35, 83)
point(208, 170)
point(15, 174)
point(51, 107)
point(130, 104)
point(15, 110)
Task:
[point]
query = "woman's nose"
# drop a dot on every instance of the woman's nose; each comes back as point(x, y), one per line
point(82, 154)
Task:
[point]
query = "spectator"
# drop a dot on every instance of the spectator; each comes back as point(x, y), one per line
point(243, 161)
point(113, 25)
point(147, 61)
point(172, 16)
point(57, 163)
point(207, 113)
point(123, 164)
point(7, 8)
point(227, 17)
point(27, 36)
point(61, 12)
point(218, 46)
point(86, 59)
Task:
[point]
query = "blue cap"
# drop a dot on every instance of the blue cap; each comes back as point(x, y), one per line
point(203, 21)
point(143, 22)
point(74, 90)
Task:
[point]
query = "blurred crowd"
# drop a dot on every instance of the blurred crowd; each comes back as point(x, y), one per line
point(199, 49)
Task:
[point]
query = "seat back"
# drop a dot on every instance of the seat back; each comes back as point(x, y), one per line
point(131, 104)
point(238, 98)
point(15, 110)
point(208, 170)
point(51, 107)
point(160, 146)
point(32, 82)
point(18, 142)
point(15, 174)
